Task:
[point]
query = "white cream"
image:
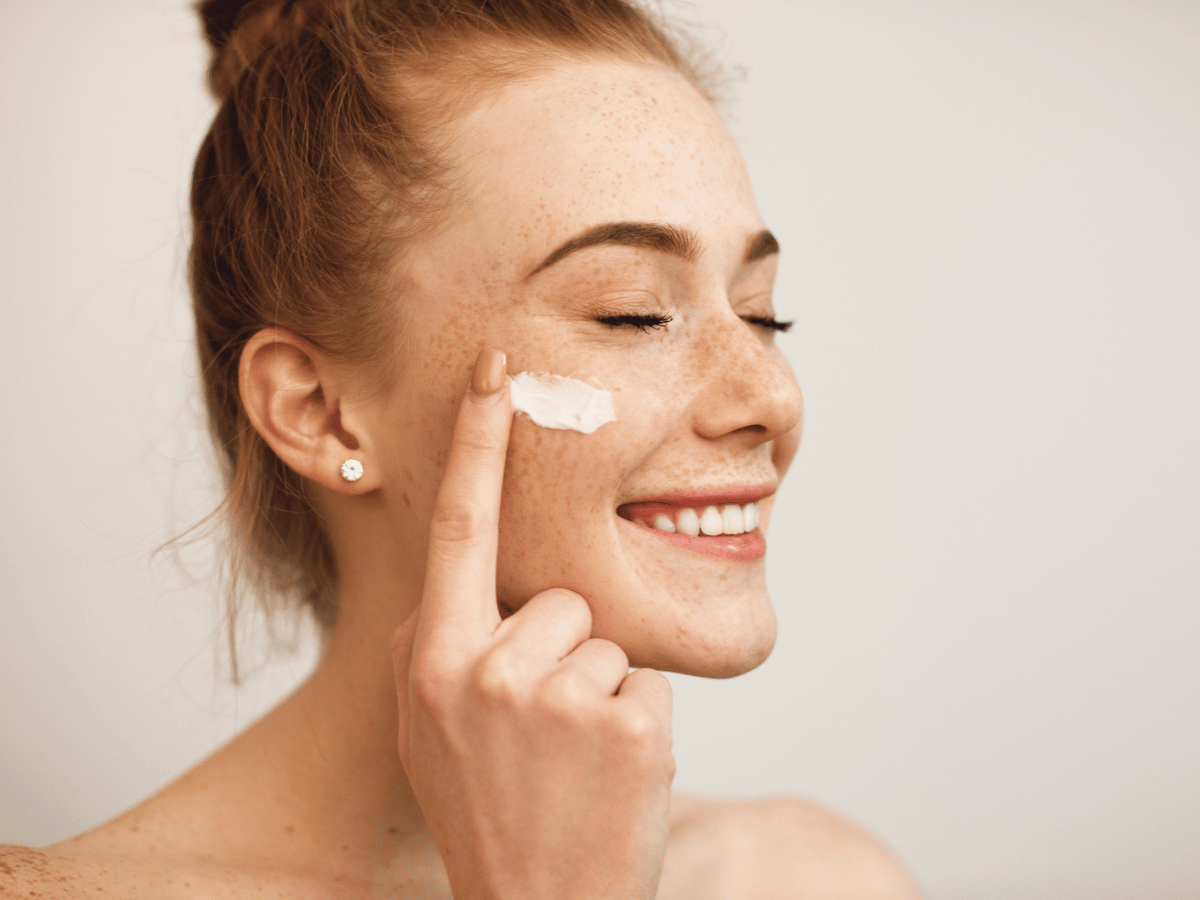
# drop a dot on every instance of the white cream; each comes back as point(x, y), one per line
point(554, 401)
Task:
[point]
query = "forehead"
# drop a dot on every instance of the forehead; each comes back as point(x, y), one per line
point(589, 142)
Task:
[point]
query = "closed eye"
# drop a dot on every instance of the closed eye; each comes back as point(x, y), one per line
point(769, 322)
point(640, 322)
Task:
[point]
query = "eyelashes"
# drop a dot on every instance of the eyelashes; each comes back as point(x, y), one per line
point(646, 323)
point(769, 322)
point(643, 323)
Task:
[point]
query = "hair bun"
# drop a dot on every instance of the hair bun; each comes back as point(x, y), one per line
point(237, 31)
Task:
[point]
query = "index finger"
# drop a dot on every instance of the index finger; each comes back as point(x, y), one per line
point(460, 574)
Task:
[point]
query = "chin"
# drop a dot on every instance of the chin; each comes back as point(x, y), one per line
point(720, 650)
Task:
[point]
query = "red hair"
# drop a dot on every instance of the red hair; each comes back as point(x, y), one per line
point(321, 163)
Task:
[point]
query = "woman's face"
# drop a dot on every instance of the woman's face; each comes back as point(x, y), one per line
point(707, 409)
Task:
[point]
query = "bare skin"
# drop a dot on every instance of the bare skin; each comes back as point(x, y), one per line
point(310, 802)
point(783, 848)
point(473, 726)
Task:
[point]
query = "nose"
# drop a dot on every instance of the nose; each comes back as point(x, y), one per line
point(745, 388)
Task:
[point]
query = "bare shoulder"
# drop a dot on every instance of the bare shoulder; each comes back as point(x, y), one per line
point(776, 848)
point(29, 872)
point(58, 873)
point(32, 872)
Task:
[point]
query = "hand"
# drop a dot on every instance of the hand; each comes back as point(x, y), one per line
point(542, 765)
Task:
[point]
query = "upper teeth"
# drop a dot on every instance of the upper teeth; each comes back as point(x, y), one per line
point(712, 520)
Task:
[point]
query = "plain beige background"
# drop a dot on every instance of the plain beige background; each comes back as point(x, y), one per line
point(987, 560)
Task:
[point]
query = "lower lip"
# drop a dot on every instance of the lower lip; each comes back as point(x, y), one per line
point(736, 547)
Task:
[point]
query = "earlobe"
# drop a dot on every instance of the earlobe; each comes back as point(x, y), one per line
point(295, 397)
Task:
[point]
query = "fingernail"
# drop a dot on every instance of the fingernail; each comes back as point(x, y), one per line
point(488, 379)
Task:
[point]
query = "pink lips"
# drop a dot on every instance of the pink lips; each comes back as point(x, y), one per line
point(711, 496)
point(746, 547)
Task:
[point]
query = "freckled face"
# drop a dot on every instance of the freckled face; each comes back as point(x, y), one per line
point(704, 402)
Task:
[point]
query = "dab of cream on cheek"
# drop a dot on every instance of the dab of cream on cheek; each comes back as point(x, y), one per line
point(553, 401)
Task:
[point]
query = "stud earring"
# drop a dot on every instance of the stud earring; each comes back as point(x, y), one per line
point(352, 470)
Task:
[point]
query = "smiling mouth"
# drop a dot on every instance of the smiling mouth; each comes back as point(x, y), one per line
point(711, 521)
point(725, 526)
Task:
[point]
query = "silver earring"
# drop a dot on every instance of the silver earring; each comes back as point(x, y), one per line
point(352, 470)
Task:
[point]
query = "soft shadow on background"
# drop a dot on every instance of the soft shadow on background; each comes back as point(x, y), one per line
point(987, 558)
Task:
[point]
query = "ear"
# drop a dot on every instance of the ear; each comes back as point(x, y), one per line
point(295, 397)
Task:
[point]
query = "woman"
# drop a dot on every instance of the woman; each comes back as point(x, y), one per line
point(399, 206)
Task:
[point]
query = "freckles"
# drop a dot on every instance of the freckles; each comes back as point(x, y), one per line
point(524, 451)
point(548, 510)
point(549, 464)
point(658, 405)
point(440, 351)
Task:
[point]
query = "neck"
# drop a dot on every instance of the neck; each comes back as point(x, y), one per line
point(345, 716)
point(322, 768)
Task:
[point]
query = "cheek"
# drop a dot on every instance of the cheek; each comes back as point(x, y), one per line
point(558, 514)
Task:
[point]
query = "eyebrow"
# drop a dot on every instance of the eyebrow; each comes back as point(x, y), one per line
point(760, 246)
point(665, 238)
point(669, 239)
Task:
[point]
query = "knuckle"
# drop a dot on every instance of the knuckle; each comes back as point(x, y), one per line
point(429, 687)
point(497, 681)
point(478, 443)
point(640, 729)
point(665, 692)
point(659, 679)
point(646, 739)
point(567, 695)
point(609, 651)
point(567, 603)
point(653, 688)
point(456, 523)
